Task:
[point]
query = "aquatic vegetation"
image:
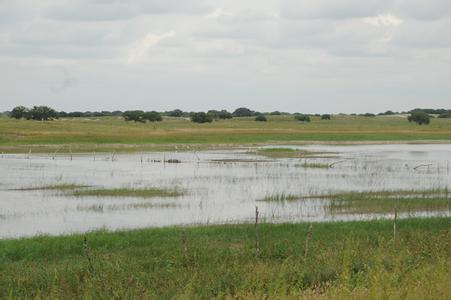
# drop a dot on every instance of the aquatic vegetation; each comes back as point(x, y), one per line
point(128, 192)
point(280, 198)
point(388, 201)
point(54, 187)
point(315, 165)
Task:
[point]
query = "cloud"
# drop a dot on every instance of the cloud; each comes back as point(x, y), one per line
point(139, 51)
point(114, 10)
point(284, 49)
point(385, 20)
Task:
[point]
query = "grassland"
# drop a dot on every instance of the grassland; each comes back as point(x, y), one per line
point(114, 134)
point(344, 260)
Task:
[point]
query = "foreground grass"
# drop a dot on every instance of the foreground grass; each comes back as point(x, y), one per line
point(114, 134)
point(345, 260)
point(127, 192)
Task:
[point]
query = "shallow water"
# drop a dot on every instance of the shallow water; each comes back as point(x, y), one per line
point(218, 189)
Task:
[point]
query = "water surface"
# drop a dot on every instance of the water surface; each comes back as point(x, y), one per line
point(220, 186)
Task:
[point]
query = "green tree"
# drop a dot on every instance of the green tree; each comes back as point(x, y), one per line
point(326, 117)
point(42, 113)
point(261, 118)
point(201, 117)
point(302, 118)
point(134, 115)
point(152, 116)
point(243, 112)
point(19, 112)
point(419, 117)
point(176, 113)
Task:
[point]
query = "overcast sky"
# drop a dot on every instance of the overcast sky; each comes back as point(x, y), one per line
point(289, 55)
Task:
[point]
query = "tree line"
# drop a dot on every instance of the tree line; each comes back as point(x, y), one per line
point(44, 113)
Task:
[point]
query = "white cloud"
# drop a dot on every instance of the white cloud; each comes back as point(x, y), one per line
point(385, 20)
point(139, 51)
point(268, 54)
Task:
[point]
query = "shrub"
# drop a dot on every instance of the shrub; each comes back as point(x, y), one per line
point(41, 113)
point(176, 113)
point(19, 112)
point(261, 118)
point(445, 116)
point(243, 112)
point(326, 117)
point(134, 115)
point(302, 118)
point(419, 117)
point(152, 116)
point(201, 117)
point(223, 114)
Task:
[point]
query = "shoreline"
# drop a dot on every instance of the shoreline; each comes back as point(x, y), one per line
point(187, 147)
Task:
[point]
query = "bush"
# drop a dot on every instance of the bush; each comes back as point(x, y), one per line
point(419, 117)
point(175, 113)
point(19, 112)
point(243, 112)
point(302, 118)
point(261, 118)
point(134, 115)
point(152, 116)
point(445, 116)
point(326, 117)
point(201, 117)
point(41, 113)
point(223, 114)
point(368, 115)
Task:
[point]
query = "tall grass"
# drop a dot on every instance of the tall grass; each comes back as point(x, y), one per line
point(345, 260)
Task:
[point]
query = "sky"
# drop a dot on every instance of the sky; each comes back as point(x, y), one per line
point(311, 56)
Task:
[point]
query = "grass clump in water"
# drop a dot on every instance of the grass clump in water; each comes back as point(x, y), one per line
point(280, 198)
point(54, 187)
point(315, 165)
point(388, 201)
point(128, 192)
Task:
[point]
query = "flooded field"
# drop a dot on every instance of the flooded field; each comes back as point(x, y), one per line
point(55, 194)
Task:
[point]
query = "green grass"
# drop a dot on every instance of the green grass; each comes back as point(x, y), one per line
point(114, 134)
point(388, 201)
point(280, 198)
point(376, 201)
point(127, 192)
point(345, 260)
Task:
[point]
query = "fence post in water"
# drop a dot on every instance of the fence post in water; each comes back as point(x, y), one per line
point(394, 224)
point(257, 241)
point(307, 239)
point(86, 253)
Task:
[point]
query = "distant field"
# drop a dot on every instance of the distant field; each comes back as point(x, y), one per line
point(108, 133)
